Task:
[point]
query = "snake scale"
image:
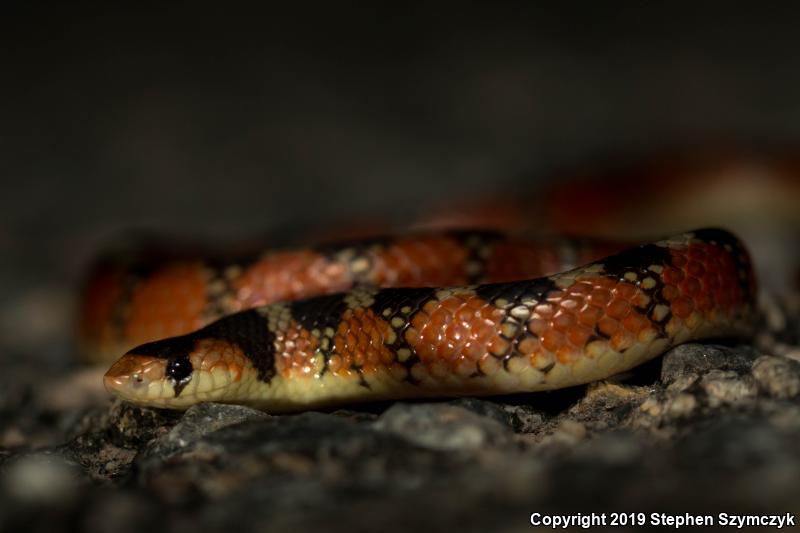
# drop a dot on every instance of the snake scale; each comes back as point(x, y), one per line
point(480, 335)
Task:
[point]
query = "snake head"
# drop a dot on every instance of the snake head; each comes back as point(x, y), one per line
point(177, 372)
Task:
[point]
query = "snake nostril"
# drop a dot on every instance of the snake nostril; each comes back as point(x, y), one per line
point(138, 378)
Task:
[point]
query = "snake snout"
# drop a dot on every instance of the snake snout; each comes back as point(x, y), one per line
point(133, 376)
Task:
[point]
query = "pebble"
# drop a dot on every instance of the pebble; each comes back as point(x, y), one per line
point(778, 377)
point(443, 427)
point(41, 479)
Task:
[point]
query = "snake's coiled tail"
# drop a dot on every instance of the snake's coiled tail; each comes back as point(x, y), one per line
point(547, 333)
point(158, 291)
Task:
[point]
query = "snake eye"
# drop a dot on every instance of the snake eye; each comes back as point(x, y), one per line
point(179, 370)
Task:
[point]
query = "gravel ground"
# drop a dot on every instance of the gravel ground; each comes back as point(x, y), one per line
point(708, 429)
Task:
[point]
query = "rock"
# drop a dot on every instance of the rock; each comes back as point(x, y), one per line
point(606, 404)
point(723, 386)
point(287, 453)
point(122, 512)
point(777, 376)
point(443, 427)
point(747, 454)
point(699, 381)
point(567, 433)
point(106, 441)
point(41, 479)
point(792, 353)
point(689, 360)
point(616, 448)
point(718, 432)
point(680, 406)
point(200, 420)
point(520, 418)
point(125, 425)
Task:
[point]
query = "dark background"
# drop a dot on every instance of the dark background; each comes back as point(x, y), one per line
point(228, 122)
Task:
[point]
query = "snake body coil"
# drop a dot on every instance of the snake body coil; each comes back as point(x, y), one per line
point(367, 344)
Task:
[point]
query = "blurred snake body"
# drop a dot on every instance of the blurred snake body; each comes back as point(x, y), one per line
point(568, 326)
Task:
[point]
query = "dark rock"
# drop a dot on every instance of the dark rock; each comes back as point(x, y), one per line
point(198, 421)
point(126, 425)
point(737, 461)
point(108, 440)
point(748, 455)
point(122, 512)
point(520, 418)
point(606, 404)
point(288, 451)
point(690, 360)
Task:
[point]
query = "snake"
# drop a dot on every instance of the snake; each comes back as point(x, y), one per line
point(588, 319)
point(153, 290)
